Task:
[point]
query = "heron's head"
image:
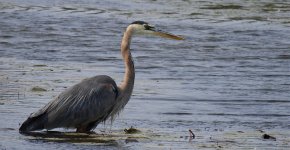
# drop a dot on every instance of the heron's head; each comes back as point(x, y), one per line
point(143, 28)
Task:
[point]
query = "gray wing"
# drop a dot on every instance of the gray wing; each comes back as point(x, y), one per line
point(91, 100)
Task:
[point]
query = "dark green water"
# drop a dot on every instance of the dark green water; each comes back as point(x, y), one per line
point(228, 81)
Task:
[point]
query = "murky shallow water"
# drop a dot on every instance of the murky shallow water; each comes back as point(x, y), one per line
point(228, 81)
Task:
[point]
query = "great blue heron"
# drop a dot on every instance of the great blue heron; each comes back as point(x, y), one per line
point(93, 100)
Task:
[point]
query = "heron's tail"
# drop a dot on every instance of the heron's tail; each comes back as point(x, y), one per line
point(33, 123)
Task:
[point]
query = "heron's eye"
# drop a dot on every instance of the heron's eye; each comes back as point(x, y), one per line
point(148, 27)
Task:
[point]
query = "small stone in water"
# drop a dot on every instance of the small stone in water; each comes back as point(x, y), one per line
point(132, 131)
point(267, 136)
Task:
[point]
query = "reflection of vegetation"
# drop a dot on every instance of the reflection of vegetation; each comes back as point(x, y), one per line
point(257, 18)
point(220, 6)
point(269, 7)
point(286, 22)
point(274, 7)
point(195, 14)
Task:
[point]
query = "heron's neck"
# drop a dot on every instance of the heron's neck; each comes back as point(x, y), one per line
point(129, 77)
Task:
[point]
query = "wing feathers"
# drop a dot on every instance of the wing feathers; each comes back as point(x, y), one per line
point(86, 102)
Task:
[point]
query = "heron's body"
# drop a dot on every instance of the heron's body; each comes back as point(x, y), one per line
point(78, 107)
point(94, 100)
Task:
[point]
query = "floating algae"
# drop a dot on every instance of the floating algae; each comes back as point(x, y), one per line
point(38, 89)
point(92, 138)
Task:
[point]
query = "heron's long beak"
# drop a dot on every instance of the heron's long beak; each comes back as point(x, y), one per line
point(167, 35)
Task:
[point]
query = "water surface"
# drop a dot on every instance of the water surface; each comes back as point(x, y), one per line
point(229, 82)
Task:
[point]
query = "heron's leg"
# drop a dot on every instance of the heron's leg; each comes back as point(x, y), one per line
point(84, 129)
point(81, 129)
point(87, 128)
